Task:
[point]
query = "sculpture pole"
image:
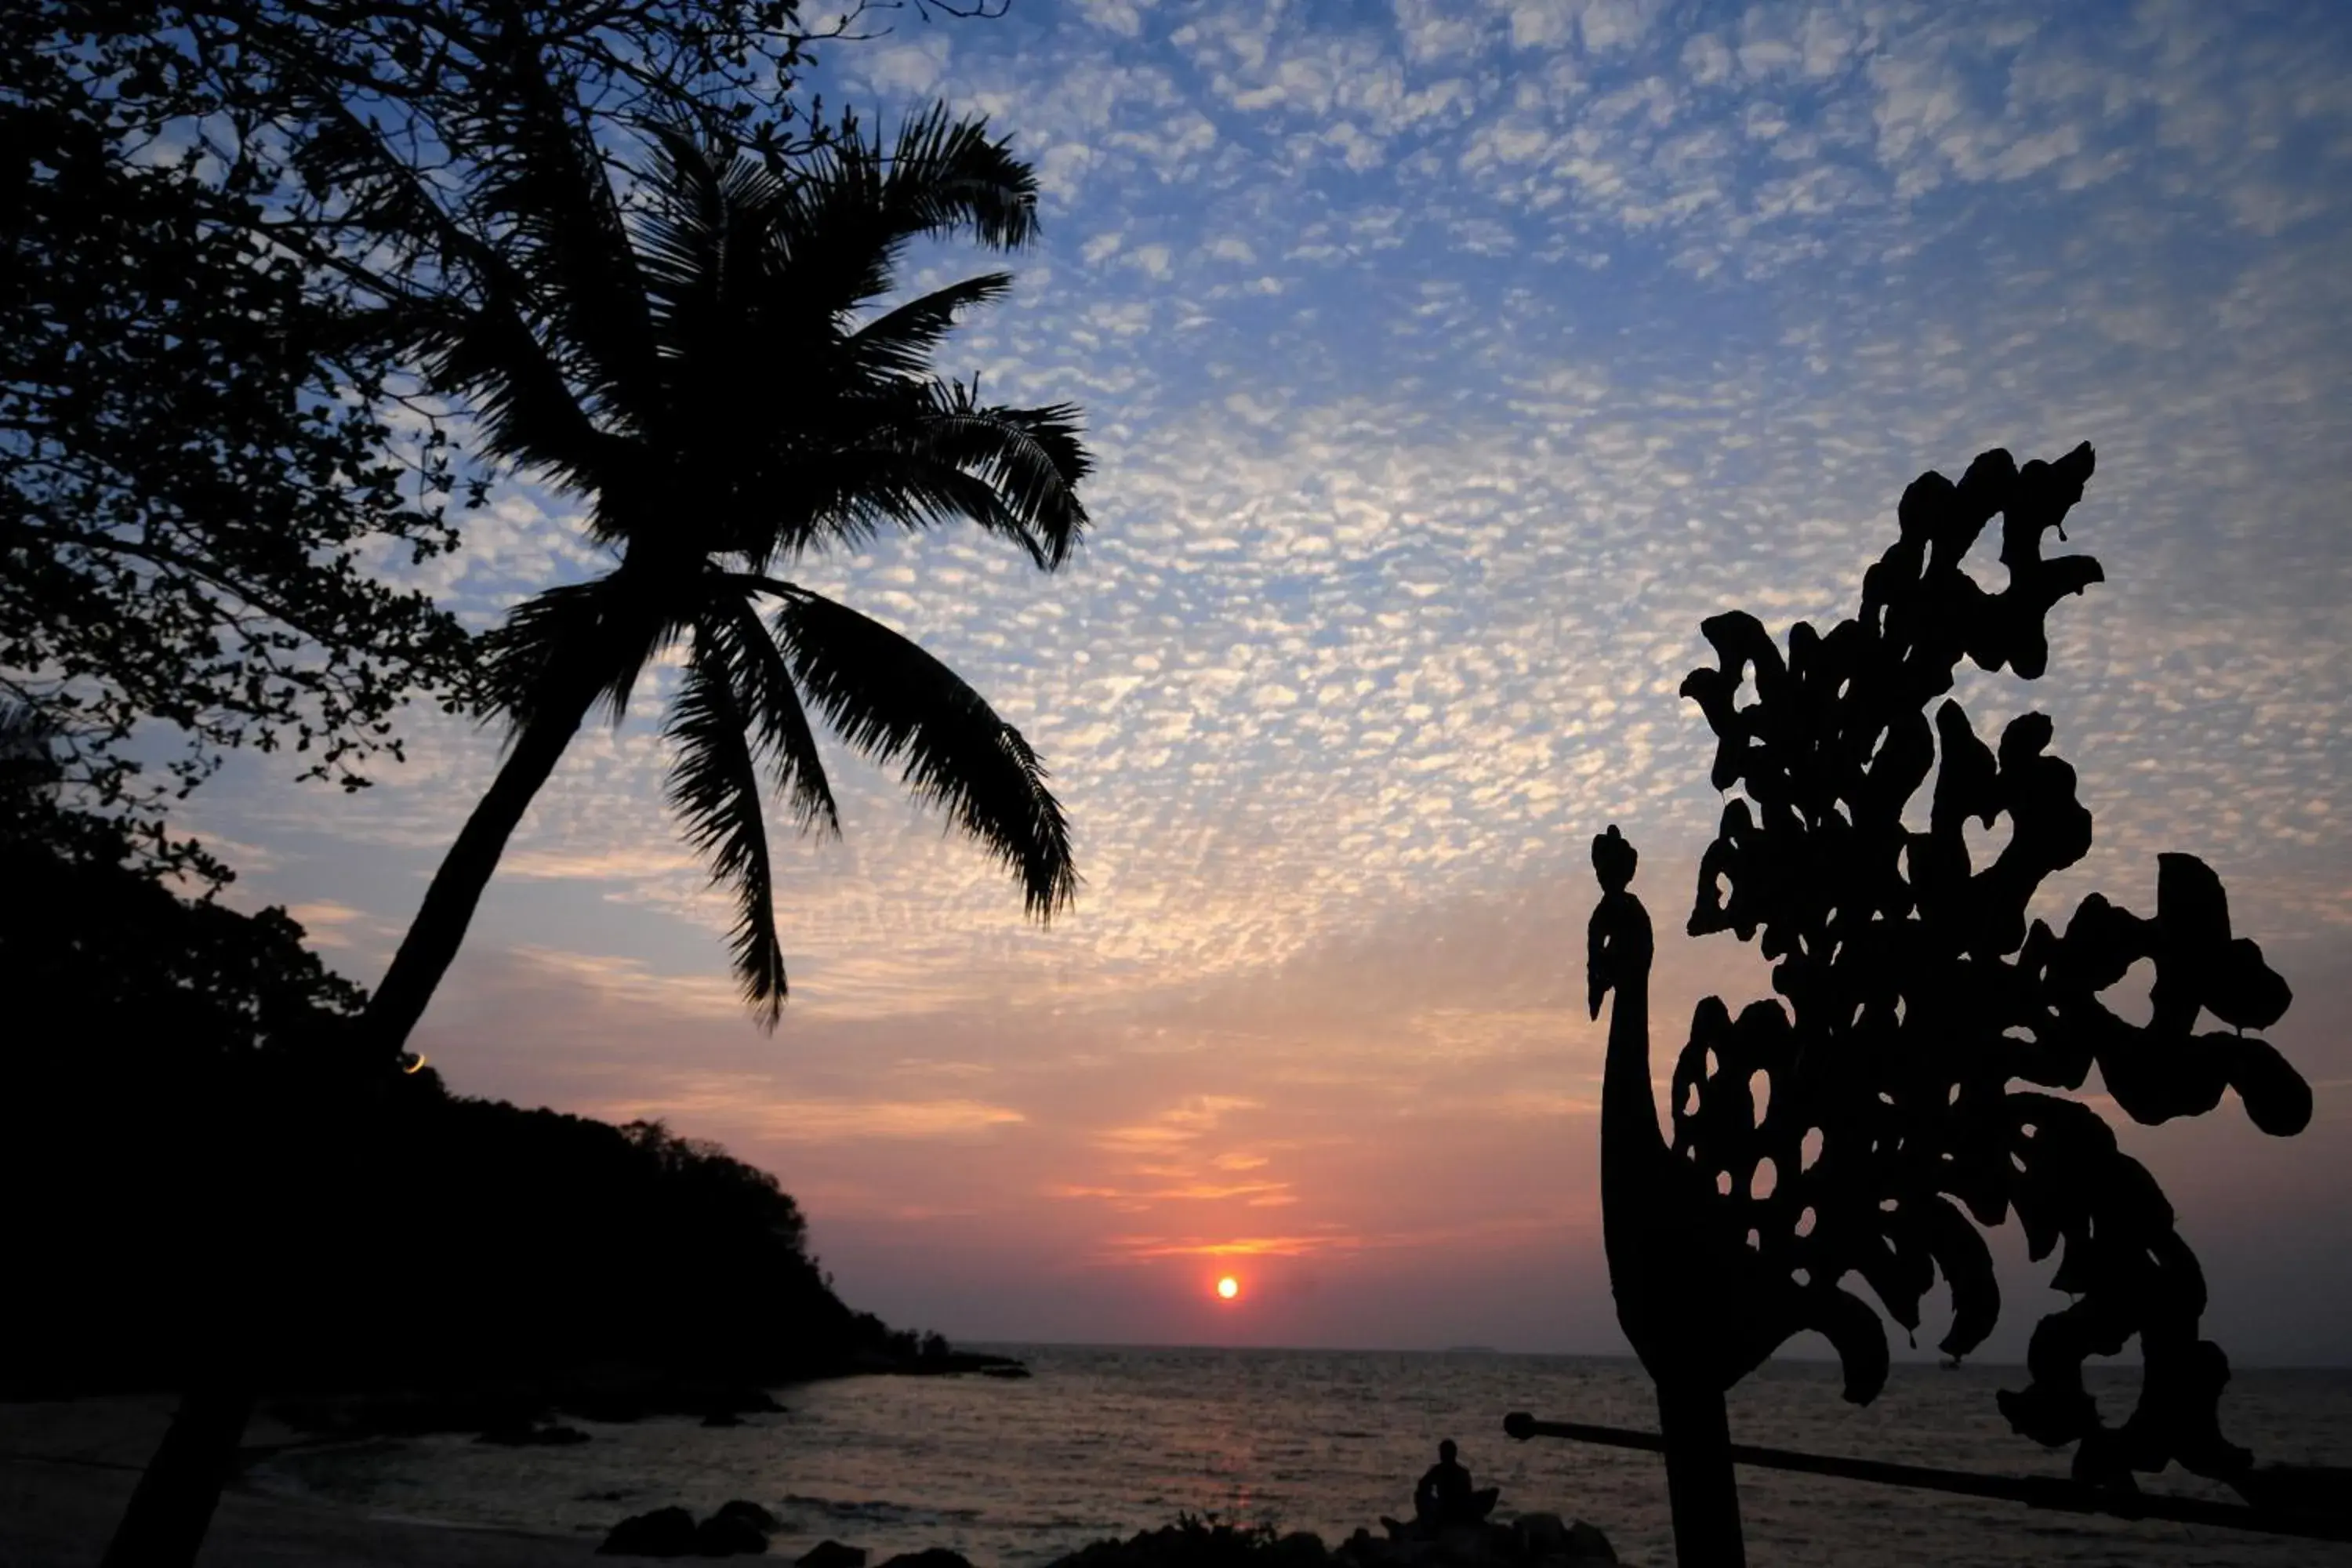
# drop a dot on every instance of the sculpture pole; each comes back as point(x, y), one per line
point(2298, 1505)
point(1702, 1489)
point(1644, 1195)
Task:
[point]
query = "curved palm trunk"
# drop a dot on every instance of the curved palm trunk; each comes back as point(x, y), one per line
point(172, 1507)
point(439, 928)
point(165, 1522)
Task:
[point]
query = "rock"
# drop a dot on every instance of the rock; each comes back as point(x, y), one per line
point(1541, 1535)
point(2297, 1489)
point(929, 1557)
point(1487, 1545)
point(724, 1534)
point(663, 1532)
point(597, 1405)
point(832, 1554)
point(755, 1515)
point(722, 1418)
point(527, 1435)
point(746, 1402)
point(1586, 1543)
point(1299, 1549)
point(1463, 1544)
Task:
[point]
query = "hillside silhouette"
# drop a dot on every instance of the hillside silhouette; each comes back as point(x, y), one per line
point(204, 1183)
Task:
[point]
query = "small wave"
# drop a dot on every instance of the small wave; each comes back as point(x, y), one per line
point(1061, 1521)
point(881, 1511)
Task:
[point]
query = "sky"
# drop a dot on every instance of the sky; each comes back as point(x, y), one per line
point(1446, 364)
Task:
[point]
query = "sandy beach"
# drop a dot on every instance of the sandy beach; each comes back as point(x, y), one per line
point(68, 1467)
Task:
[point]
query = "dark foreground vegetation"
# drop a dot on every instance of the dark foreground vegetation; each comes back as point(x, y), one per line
point(1531, 1540)
point(197, 1187)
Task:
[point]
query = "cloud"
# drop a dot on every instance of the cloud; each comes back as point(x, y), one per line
point(838, 1120)
point(598, 863)
point(325, 923)
point(1446, 368)
point(1146, 1248)
point(1181, 1124)
point(1124, 17)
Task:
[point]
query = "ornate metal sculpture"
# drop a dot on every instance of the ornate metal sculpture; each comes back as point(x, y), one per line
point(1855, 1127)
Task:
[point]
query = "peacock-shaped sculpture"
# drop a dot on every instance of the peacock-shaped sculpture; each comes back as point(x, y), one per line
point(1897, 1094)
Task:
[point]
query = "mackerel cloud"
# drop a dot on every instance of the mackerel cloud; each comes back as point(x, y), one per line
point(1447, 365)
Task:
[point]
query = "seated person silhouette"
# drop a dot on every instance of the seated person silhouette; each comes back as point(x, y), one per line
point(1444, 1497)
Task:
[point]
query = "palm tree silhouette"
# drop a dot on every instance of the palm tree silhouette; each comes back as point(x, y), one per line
point(707, 354)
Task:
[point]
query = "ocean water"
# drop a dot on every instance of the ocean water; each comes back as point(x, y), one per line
point(1107, 1441)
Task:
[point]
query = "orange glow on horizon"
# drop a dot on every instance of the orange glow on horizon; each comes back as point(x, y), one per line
point(1229, 1288)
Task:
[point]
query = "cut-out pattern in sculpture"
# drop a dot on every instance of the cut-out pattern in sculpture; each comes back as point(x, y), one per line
point(1899, 1088)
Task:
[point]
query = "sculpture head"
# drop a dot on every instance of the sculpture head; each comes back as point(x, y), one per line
point(1614, 860)
point(1618, 944)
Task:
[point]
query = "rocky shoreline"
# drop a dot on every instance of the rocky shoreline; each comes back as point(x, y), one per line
point(68, 1467)
point(532, 1417)
point(1528, 1540)
point(532, 1413)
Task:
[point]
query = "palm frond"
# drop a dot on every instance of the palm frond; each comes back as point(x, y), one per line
point(897, 705)
point(731, 629)
point(714, 787)
point(529, 413)
point(853, 207)
point(899, 341)
point(544, 187)
point(604, 631)
point(478, 334)
point(945, 176)
point(1031, 458)
point(929, 456)
point(702, 239)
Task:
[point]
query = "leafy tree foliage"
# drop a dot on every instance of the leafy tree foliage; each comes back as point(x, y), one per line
point(194, 474)
point(188, 1174)
point(90, 935)
point(207, 447)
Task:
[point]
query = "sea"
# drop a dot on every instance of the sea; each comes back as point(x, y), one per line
point(1106, 1441)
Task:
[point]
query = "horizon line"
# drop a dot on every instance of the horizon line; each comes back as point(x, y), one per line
point(1900, 1359)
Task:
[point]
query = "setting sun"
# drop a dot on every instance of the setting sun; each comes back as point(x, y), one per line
point(1229, 1288)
